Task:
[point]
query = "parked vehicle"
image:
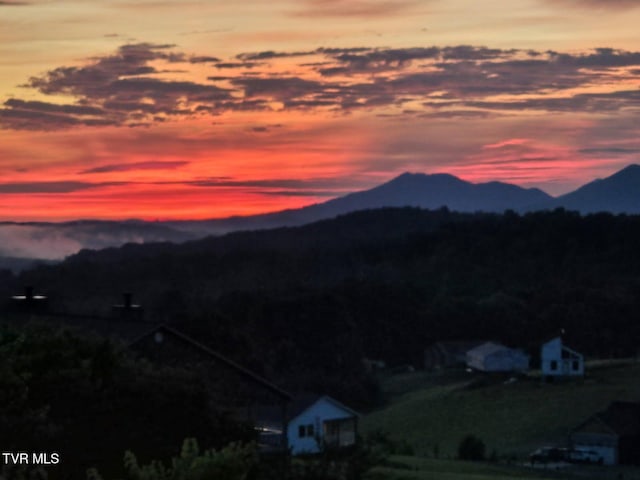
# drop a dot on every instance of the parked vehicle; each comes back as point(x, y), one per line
point(585, 456)
point(549, 454)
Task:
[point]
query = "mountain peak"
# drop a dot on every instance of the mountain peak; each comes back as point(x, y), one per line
point(630, 173)
point(421, 175)
point(617, 193)
point(632, 166)
point(424, 177)
point(633, 169)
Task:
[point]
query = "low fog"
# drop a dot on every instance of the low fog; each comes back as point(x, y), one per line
point(56, 241)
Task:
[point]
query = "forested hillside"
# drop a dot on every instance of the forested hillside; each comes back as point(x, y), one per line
point(304, 305)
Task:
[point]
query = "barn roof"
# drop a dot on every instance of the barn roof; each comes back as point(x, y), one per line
point(487, 349)
point(213, 355)
point(454, 347)
point(131, 332)
point(623, 418)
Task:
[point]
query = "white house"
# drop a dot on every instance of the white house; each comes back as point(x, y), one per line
point(557, 360)
point(313, 423)
point(320, 422)
point(493, 357)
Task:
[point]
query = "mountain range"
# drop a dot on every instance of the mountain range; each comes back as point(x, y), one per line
point(619, 193)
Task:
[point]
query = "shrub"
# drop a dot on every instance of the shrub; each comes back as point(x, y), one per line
point(471, 448)
point(233, 462)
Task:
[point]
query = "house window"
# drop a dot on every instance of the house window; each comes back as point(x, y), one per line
point(554, 365)
point(575, 365)
point(305, 431)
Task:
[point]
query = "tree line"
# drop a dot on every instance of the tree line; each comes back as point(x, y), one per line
point(303, 306)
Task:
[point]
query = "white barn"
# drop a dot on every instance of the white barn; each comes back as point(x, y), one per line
point(558, 360)
point(494, 357)
point(612, 434)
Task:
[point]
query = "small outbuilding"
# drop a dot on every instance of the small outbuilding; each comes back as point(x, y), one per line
point(558, 360)
point(614, 434)
point(494, 357)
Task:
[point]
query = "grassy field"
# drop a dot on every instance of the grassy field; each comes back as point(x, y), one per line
point(412, 468)
point(434, 412)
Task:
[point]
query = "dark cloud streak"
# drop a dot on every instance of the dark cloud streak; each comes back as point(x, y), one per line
point(50, 187)
point(126, 167)
point(609, 151)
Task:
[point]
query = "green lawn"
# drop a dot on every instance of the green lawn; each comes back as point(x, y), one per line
point(511, 419)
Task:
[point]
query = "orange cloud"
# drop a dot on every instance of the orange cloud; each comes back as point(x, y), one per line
point(151, 131)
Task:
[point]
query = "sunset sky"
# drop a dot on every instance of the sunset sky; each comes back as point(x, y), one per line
point(201, 109)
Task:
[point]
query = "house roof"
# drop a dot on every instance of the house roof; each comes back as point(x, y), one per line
point(302, 402)
point(620, 418)
point(551, 339)
point(571, 352)
point(562, 342)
